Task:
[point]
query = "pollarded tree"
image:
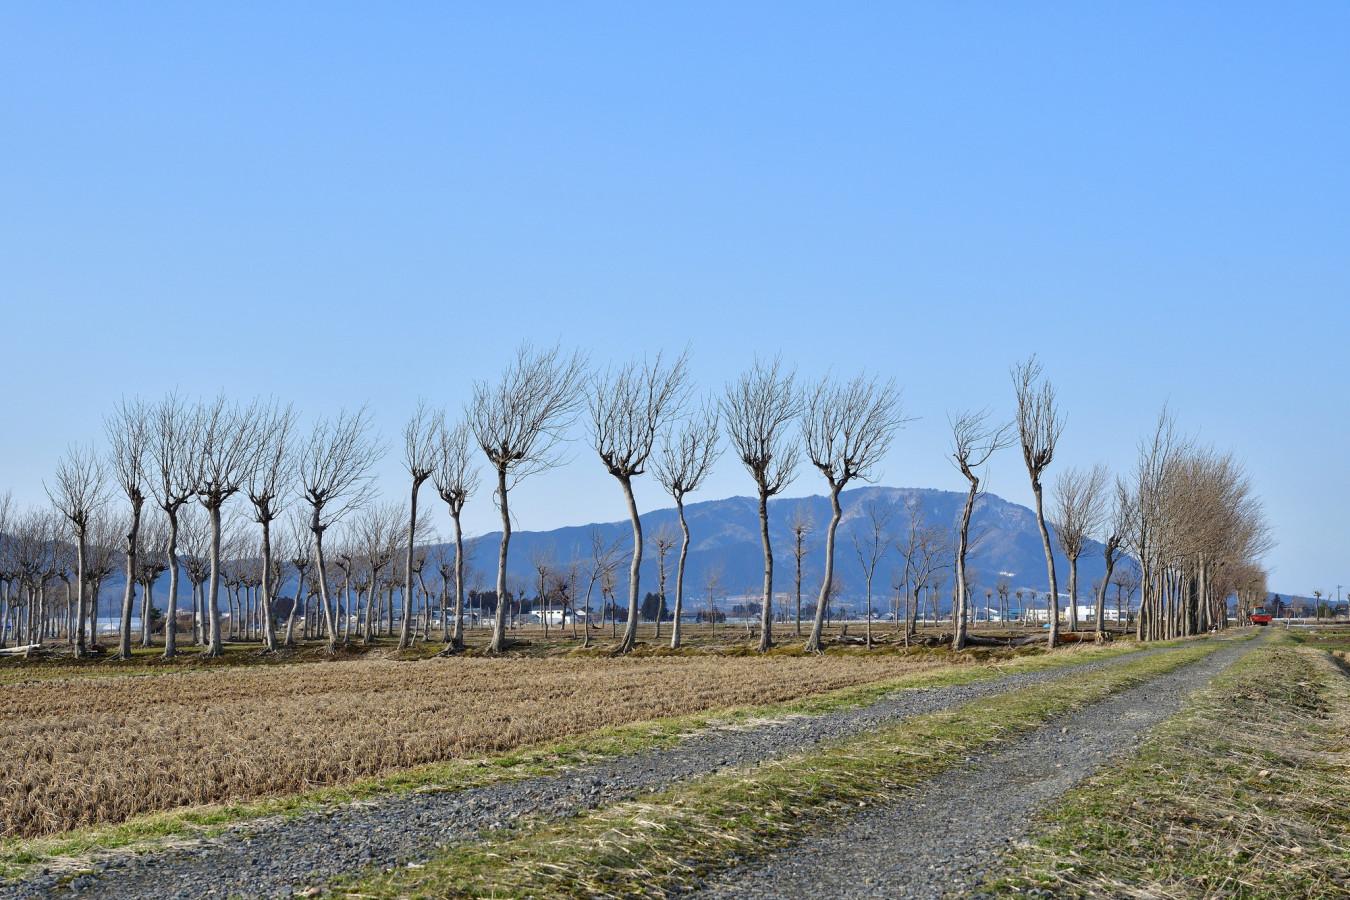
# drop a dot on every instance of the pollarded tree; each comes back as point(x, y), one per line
point(1039, 426)
point(128, 430)
point(226, 449)
point(847, 428)
point(268, 485)
point(974, 441)
point(455, 479)
point(687, 456)
point(377, 534)
point(172, 482)
point(334, 478)
point(800, 526)
point(419, 458)
point(629, 409)
point(664, 541)
point(1079, 498)
point(759, 409)
point(871, 547)
point(79, 493)
point(297, 547)
point(519, 423)
point(1118, 525)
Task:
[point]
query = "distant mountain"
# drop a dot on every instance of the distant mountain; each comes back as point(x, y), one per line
point(1006, 545)
point(724, 536)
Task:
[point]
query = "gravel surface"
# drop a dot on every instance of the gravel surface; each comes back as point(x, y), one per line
point(951, 830)
point(278, 858)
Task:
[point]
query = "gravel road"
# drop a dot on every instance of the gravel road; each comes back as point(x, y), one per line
point(951, 829)
point(279, 858)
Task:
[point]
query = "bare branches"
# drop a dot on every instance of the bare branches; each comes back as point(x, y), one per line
point(848, 427)
point(521, 419)
point(128, 430)
point(80, 486)
point(419, 442)
point(454, 474)
point(758, 409)
point(1079, 501)
point(334, 468)
point(225, 438)
point(270, 478)
point(1039, 421)
point(975, 440)
point(688, 453)
point(630, 407)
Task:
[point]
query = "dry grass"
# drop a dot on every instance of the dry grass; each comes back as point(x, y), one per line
point(85, 751)
point(1246, 793)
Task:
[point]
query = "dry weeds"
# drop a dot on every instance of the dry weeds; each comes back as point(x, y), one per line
point(87, 751)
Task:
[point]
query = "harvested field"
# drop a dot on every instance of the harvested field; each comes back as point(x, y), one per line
point(98, 750)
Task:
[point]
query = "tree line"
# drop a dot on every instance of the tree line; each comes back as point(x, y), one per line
point(240, 493)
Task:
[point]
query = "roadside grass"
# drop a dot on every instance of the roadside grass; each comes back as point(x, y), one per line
point(1244, 793)
point(144, 833)
point(667, 840)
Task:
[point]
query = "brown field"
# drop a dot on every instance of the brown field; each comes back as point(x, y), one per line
point(82, 751)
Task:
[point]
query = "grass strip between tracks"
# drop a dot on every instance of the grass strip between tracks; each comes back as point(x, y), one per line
point(1244, 793)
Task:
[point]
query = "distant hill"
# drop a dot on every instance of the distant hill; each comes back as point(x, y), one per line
point(724, 535)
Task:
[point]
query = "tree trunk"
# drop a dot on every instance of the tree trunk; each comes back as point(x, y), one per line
point(963, 545)
point(679, 575)
point(499, 619)
point(457, 638)
point(405, 632)
point(766, 613)
point(79, 595)
point(268, 590)
point(813, 643)
point(1101, 591)
point(215, 646)
point(1052, 608)
point(129, 593)
point(630, 630)
point(1073, 593)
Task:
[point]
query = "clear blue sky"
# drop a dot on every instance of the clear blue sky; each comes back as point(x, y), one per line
point(336, 203)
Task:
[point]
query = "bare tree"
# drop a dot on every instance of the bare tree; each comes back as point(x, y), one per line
point(297, 547)
point(455, 479)
point(419, 459)
point(664, 539)
point(687, 456)
point(847, 428)
point(758, 409)
point(151, 563)
point(78, 494)
point(128, 430)
point(974, 441)
point(800, 526)
point(604, 557)
point(334, 480)
point(1118, 524)
point(268, 483)
point(870, 549)
point(226, 450)
point(1078, 503)
point(629, 408)
point(1039, 426)
point(519, 422)
point(171, 466)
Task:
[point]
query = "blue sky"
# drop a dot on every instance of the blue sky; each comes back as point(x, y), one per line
point(336, 203)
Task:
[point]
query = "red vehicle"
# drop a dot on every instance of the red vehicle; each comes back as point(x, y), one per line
point(1259, 616)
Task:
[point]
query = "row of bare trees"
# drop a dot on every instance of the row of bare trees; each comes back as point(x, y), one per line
point(1188, 516)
